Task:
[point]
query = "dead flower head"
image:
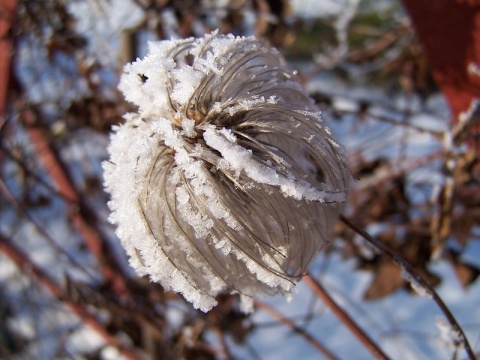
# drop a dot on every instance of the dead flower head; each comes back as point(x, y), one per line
point(226, 179)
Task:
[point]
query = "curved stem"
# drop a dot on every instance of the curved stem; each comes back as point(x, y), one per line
point(398, 259)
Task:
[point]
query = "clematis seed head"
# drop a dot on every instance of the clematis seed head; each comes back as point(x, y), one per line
point(226, 179)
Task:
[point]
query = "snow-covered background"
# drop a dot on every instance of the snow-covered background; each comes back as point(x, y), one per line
point(403, 323)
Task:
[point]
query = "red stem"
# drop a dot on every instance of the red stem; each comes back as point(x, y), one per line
point(369, 344)
point(96, 244)
point(398, 259)
point(7, 10)
point(309, 338)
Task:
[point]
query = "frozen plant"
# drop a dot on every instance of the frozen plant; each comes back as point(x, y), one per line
point(226, 180)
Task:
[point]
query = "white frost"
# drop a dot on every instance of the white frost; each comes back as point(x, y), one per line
point(240, 159)
point(419, 288)
point(447, 336)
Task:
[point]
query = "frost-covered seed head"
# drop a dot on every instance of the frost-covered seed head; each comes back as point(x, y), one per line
point(226, 179)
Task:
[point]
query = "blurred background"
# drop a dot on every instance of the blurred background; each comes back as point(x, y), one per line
point(397, 83)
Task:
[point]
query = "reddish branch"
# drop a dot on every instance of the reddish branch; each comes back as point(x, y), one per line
point(309, 338)
point(24, 263)
point(7, 11)
point(369, 344)
point(97, 245)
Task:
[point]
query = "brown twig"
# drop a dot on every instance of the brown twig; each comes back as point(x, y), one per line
point(464, 128)
point(309, 338)
point(24, 263)
point(385, 41)
point(369, 344)
point(5, 191)
point(388, 119)
point(398, 259)
point(399, 170)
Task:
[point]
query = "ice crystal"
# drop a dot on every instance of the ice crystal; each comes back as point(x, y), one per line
point(449, 336)
point(416, 286)
point(225, 180)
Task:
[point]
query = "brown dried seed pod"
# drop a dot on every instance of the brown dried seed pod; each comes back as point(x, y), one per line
point(226, 180)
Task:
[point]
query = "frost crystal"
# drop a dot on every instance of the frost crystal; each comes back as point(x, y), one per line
point(448, 336)
point(225, 180)
point(419, 288)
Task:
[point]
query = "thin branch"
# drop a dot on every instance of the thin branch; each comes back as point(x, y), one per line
point(398, 259)
point(397, 171)
point(309, 338)
point(468, 120)
point(5, 191)
point(29, 172)
point(111, 270)
point(369, 344)
point(387, 40)
point(24, 263)
point(437, 133)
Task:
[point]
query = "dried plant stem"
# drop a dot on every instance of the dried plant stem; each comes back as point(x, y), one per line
point(24, 263)
point(378, 46)
point(408, 125)
point(401, 169)
point(111, 271)
point(397, 258)
point(369, 344)
point(309, 338)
